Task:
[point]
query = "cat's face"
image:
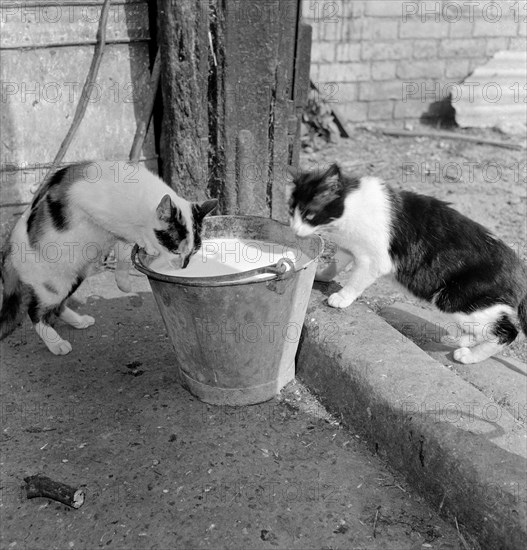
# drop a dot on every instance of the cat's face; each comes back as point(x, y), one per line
point(178, 232)
point(317, 199)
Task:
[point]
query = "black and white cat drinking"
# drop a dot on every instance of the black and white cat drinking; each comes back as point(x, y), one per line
point(437, 253)
point(76, 219)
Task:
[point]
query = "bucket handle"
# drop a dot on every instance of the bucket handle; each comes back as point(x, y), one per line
point(282, 270)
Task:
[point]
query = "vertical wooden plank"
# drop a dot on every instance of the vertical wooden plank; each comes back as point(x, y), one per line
point(245, 176)
point(251, 37)
point(283, 107)
point(216, 107)
point(301, 82)
point(247, 85)
point(203, 72)
point(183, 40)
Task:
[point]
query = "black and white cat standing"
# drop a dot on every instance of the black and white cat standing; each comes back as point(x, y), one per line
point(437, 253)
point(76, 219)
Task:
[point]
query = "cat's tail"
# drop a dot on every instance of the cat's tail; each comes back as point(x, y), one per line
point(522, 314)
point(15, 296)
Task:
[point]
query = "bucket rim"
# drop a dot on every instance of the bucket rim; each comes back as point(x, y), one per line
point(264, 274)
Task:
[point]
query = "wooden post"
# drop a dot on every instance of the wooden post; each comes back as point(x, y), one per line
point(183, 42)
point(251, 59)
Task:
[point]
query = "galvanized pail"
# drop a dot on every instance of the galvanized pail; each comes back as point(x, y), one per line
point(236, 336)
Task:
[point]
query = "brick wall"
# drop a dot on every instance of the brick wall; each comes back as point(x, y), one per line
point(393, 59)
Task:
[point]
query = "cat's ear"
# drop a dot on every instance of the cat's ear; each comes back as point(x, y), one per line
point(164, 209)
point(328, 187)
point(332, 176)
point(201, 210)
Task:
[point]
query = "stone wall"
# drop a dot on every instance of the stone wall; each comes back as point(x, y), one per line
point(393, 59)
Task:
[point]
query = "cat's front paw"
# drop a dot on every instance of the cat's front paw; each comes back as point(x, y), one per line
point(123, 282)
point(463, 340)
point(62, 347)
point(465, 356)
point(339, 300)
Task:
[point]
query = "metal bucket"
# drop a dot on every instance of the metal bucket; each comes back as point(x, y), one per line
point(236, 336)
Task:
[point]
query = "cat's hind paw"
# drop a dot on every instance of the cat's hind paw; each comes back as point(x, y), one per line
point(84, 321)
point(465, 356)
point(339, 301)
point(75, 320)
point(62, 347)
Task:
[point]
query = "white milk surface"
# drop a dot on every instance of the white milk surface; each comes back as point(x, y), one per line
point(227, 256)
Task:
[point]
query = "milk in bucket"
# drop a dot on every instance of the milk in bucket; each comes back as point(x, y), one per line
point(225, 256)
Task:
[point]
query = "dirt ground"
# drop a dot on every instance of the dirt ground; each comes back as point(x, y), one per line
point(163, 470)
point(484, 182)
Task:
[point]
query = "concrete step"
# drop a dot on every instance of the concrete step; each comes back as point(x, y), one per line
point(457, 446)
point(502, 379)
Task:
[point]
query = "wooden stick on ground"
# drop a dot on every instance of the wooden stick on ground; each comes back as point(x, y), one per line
point(448, 135)
point(375, 522)
point(42, 486)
